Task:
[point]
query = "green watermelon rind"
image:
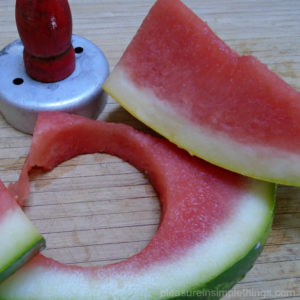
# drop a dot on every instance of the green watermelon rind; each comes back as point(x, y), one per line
point(17, 262)
point(217, 287)
point(19, 238)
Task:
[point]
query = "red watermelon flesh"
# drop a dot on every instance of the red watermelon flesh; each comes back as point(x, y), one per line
point(238, 110)
point(176, 173)
point(7, 203)
point(206, 226)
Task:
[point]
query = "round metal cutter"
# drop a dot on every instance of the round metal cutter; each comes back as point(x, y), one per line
point(22, 98)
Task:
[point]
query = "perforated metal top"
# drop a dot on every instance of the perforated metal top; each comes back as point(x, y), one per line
point(21, 97)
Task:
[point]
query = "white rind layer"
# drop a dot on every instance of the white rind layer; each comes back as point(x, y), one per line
point(17, 236)
point(257, 161)
point(226, 245)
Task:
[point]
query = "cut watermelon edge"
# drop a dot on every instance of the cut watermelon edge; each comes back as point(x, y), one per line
point(240, 264)
point(22, 241)
point(23, 258)
point(220, 285)
point(249, 160)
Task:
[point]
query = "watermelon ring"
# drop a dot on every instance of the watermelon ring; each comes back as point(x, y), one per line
point(207, 239)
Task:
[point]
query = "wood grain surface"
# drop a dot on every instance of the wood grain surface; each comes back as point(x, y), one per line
point(97, 209)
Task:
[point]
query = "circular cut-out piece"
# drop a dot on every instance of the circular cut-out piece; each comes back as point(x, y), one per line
point(214, 222)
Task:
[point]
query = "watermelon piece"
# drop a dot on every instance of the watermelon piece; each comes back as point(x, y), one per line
point(19, 239)
point(214, 223)
point(183, 81)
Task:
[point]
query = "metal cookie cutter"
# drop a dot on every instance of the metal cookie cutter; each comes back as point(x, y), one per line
point(49, 68)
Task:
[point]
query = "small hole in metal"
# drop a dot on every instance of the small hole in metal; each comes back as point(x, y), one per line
point(18, 81)
point(78, 50)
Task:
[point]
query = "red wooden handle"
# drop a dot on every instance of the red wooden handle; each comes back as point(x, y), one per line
point(45, 28)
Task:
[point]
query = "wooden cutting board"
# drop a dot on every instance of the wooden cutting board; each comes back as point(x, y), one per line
point(97, 209)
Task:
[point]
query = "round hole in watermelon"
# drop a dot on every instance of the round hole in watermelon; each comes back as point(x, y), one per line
point(214, 222)
point(96, 209)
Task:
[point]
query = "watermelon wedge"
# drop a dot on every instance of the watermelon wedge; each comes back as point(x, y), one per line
point(183, 81)
point(214, 223)
point(19, 239)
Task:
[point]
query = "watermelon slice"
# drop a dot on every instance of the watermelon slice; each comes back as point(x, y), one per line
point(214, 222)
point(19, 239)
point(183, 81)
